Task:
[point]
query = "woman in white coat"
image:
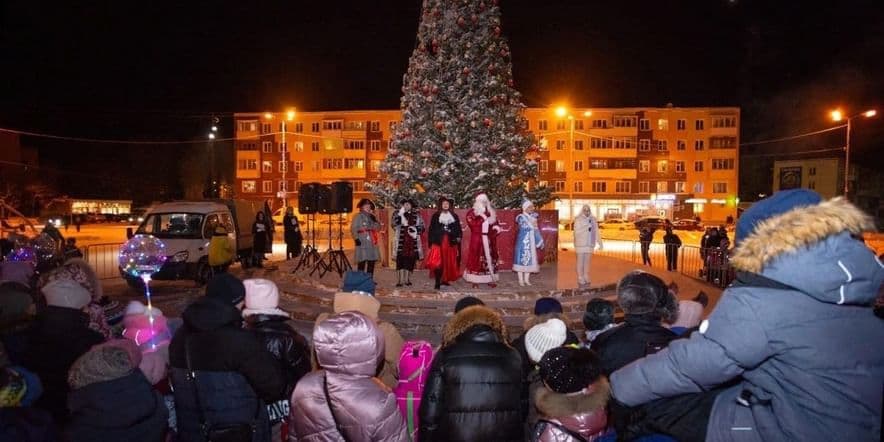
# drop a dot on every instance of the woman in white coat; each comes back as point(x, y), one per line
point(586, 238)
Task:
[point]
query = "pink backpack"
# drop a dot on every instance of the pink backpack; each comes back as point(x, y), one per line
point(414, 366)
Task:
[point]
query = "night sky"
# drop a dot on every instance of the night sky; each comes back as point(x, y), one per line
point(159, 70)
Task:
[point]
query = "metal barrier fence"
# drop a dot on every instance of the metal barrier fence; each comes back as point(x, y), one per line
point(104, 258)
point(692, 261)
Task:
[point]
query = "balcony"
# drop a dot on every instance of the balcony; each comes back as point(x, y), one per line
point(355, 130)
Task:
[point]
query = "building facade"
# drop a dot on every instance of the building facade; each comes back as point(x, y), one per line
point(824, 175)
point(623, 162)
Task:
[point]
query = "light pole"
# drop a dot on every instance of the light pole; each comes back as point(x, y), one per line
point(837, 115)
point(562, 112)
point(283, 126)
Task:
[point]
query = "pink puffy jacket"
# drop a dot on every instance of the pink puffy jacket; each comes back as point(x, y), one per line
point(349, 347)
point(583, 413)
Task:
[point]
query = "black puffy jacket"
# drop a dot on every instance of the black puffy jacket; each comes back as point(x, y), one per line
point(236, 375)
point(473, 391)
point(639, 336)
point(287, 345)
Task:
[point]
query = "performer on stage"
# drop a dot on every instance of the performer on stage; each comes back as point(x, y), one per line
point(528, 240)
point(444, 238)
point(407, 241)
point(482, 256)
point(586, 239)
point(365, 228)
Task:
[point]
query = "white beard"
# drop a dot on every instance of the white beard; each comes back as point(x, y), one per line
point(446, 218)
point(479, 208)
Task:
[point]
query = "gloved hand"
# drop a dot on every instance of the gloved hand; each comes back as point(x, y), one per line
point(358, 242)
point(401, 211)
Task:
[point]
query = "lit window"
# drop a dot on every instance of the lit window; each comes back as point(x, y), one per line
point(662, 166)
point(680, 186)
point(662, 186)
point(248, 186)
point(662, 124)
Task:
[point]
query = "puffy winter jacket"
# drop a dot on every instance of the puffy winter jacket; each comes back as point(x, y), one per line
point(287, 345)
point(393, 342)
point(474, 389)
point(349, 347)
point(796, 331)
point(124, 409)
point(220, 250)
point(583, 413)
point(638, 336)
point(60, 336)
point(236, 375)
point(586, 233)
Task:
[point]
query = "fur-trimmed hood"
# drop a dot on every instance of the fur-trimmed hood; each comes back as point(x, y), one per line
point(811, 248)
point(558, 405)
point(469, 317)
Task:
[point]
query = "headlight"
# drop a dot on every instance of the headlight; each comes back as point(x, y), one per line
point(131, 219)
point(57, 222)
point(140, 219)
point(180, 256)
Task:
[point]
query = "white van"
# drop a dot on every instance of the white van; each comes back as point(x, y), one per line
point(186, 227)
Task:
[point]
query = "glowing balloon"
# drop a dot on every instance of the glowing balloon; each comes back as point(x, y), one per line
point(142, 256)
point(23, 254)
point(45, 247)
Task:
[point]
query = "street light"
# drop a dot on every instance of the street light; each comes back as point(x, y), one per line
point(211, 136)
point(838, 115)
point(562, 112)
point(283, 128)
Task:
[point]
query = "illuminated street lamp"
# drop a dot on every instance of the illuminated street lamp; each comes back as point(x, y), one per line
point(838, 115)
point(563, 112)
point(214, 128)
point(211, 136)
point(283, 127)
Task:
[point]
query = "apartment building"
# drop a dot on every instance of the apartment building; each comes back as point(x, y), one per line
point(623, 162)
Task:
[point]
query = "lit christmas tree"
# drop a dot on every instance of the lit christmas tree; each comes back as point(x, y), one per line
point(462, 128)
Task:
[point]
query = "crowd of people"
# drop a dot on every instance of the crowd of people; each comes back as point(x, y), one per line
point(784, 355)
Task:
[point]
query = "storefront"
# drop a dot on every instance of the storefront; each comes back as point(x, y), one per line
point(627, 209)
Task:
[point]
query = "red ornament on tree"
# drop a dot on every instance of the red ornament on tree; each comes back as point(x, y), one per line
point(510, 82)
point(440, 125)
point(475, 18)
point(466, 71)
point(461, 22)
point(447, 145)
point(487, 122)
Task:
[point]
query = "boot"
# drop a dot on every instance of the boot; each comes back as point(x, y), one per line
point(438, 279)
point(399, 277)
point(408, 278)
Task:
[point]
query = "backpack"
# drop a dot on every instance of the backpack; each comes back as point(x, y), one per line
point(414, 367)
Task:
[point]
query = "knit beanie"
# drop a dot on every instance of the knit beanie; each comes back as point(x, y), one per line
point(147, 334)
point(357, 281)
point(12, 388)
point(17, 271)
point(262, 297)
point(100, 364)
point(226, 288)
point(66, 293)
point(79, 271)
point(545, 336)
point(569, 370)
point(547, 305)
point(467, 301)
point(778, 203)
point(599, 314)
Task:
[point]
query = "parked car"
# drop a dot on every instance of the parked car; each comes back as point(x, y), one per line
point(687, 224)
point(614, 224)
point(653, 222)
point(186, 227)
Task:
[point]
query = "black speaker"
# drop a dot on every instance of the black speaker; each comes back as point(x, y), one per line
point(324, 200)
point(342, 197)
point(308, 196)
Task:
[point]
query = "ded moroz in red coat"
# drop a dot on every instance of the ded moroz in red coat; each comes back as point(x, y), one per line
point(482, 258)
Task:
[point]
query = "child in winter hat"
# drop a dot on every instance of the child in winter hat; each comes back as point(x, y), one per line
point(262, 298)
point(66, 293)
point(101, 363)
point(149, 331)
point(569, 370)
point(544, 337)
point(598, 318)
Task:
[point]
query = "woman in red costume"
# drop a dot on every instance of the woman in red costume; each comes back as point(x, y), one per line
point(444, 238)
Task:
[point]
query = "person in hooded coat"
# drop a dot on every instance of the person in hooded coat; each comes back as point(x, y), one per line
point(474, 389)
point(646, 302)
point(794, 330)
point(261, 237)
point(235, 374)
point(357, 294)
point(344, 399)
point(573, 399)
point(111, 399)
point(60, 335)
point(291, 233)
